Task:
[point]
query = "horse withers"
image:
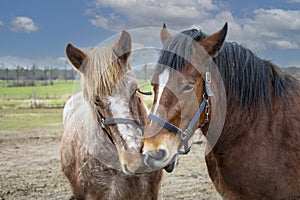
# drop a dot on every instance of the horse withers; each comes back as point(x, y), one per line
point(103, 136)
point(257, 151)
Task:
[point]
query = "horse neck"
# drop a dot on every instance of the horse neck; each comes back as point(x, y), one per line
point(250, 102)
point(259, 121)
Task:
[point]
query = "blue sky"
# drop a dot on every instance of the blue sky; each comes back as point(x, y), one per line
point(38, 31)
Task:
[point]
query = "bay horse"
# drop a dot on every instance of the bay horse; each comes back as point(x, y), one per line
point(257, 154)
point(102, 140)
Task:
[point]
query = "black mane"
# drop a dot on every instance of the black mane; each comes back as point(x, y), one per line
point(248, 79)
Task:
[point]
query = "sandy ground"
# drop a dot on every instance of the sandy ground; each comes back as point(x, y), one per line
point(30, 169)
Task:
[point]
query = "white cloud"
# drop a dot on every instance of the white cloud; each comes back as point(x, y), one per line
point(100, 21)
point(152, 12)
point(23, 24)
point(275, 28)
point(262, 29)
point(1, 23)
point(111, 23)
point(284, 44)
point(266, 29)
point(277, 19)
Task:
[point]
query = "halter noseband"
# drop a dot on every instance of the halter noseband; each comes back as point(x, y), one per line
point(204, 104)
point(114, 121)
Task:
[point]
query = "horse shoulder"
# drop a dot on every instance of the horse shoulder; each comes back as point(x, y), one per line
point(70, 135)
point(72, 150)
point(71, 106)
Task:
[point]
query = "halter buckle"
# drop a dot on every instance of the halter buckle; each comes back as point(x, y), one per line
point(208, 77)
point(185, 133)
point(102, 122)
point(207, 84)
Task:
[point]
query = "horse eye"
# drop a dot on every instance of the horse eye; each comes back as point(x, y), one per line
point(188, 87)
point(97, 101)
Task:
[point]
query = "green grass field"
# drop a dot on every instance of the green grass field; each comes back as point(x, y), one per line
point(145, 86)
point(17, 120)
point(49, 96)
point(39, 96)
point(57, 90)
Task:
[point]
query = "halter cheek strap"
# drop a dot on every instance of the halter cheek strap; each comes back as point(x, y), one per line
point(114, 121)
point(177, 130)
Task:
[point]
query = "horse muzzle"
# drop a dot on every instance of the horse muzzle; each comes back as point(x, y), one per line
point(159, 159)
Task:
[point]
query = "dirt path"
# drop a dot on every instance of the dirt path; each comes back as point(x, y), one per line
point(30, 169)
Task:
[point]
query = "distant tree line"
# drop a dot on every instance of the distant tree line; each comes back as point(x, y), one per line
point(20, 76)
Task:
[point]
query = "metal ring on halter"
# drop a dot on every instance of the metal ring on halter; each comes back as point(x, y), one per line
point(207, 108)
point(205, 96)
point(207, 77)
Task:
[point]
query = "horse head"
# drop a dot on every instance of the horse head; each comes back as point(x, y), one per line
point(110, 88)
point(181, 84)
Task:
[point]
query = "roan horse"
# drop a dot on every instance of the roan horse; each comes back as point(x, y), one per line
point(257, 155)
point(102, 141)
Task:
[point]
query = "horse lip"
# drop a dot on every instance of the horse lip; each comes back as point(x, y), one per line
point(170, 167)
point(126, 170)
point(140, 170)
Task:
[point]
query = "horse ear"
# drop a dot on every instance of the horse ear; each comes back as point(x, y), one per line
point(122, 47)
point(164, 34)
point(76, 56)
point(213, 43)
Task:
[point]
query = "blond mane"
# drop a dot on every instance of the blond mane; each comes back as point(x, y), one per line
point(103, 73)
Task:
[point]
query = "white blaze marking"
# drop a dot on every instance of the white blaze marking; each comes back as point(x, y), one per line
point(162, 82)
point(120, 109)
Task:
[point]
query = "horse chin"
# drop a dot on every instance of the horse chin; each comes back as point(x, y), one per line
point(138, 171)
point(131, 162)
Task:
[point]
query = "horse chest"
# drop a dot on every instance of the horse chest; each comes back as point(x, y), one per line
point(254, 170)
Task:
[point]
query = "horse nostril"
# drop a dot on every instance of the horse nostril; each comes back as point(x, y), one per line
point(156, 159)
point(161, 154)
point(141, 149)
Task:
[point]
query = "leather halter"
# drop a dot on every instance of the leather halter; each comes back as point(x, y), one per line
point(204, 104)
